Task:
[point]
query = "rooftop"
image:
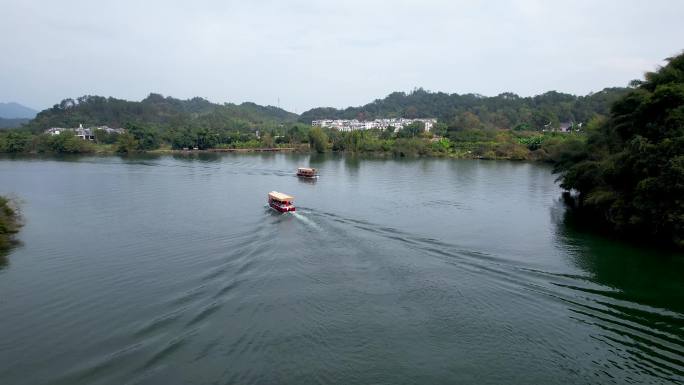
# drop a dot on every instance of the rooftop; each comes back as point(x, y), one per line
point(280, 196)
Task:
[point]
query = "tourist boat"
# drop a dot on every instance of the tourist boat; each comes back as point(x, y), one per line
point(280, 202)
point(306, 172)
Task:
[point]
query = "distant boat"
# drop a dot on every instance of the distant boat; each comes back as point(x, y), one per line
point(280, 202)
point(306, 172)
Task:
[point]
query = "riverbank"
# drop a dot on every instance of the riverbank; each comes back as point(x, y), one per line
point(521, 146)
point(9, 224)
point(459, 144)
point(215, 150)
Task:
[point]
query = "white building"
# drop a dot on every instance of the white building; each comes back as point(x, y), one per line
point(84, 133)
point(381, 124)
point(109, 130)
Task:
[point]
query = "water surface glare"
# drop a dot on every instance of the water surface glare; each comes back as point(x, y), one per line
point(172, 270)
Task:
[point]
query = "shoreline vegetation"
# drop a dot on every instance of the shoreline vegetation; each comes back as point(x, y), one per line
point(9, 224)
point(506, 126)
point(461, 144)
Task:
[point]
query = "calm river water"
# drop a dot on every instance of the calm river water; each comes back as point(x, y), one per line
point(172, 270)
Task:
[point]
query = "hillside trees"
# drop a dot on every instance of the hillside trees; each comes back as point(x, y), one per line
point(471, 111)
point(630, 173)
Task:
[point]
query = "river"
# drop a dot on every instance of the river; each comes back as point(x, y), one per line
point(172, 270)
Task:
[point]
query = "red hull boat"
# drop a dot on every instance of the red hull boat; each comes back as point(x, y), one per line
point(280, 202)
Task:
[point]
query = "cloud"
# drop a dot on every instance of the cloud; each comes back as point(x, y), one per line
point(310, 53)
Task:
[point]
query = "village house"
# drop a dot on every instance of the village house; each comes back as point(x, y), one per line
point(563, 127)
point(83, 132)
point(347, 125)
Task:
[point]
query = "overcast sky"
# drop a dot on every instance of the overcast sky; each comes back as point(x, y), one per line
point(323, 53)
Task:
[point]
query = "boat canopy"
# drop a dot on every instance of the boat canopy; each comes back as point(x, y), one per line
point(306, 169)
point(280, 196)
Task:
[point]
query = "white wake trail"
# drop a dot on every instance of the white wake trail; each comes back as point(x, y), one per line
point(306, 220)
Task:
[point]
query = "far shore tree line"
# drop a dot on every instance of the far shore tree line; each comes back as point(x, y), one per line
point(412, 140)
point(505, 126)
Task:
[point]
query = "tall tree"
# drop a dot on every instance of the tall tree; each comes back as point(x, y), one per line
point(631, 173)
point(318, 140)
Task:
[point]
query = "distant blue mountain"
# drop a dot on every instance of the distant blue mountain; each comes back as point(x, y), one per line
point(13, 110)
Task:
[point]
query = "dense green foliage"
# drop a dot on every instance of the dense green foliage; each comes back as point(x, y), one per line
point(630, 173)
point(138, 138)
point(410, 141)
point(17, 141)
point(159, 113)
point(141, 138)
point(505, 111)
point(9, 224)
point(474, 143)
point(64, 143)
point(156, 121)
point(318, 140)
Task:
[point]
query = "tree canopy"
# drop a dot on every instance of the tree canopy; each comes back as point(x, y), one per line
point(630, 173)
point(471, 111)
point(157, 111)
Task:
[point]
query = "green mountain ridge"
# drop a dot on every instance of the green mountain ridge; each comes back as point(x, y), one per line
point(159, 112)
point(506, 110)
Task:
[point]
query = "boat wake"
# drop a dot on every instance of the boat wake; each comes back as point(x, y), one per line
point(308, 222)
point(644, 338)
point(322, 279)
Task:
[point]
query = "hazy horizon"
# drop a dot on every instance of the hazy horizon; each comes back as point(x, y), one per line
point(304, 54)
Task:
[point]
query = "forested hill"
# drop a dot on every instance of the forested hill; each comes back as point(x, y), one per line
point(506, 110)
point(630, 173)
point(468, 111)
point(159, 112)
